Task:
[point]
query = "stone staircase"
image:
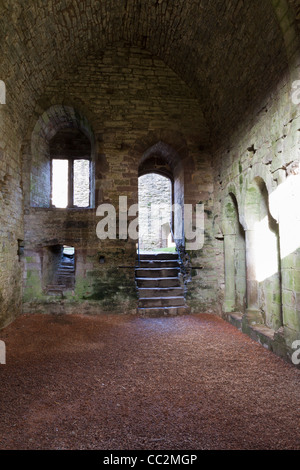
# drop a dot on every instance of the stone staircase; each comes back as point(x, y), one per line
point(65, 277)
point(159, 287)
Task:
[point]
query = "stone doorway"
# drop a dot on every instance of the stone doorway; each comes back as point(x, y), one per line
point(155, 213)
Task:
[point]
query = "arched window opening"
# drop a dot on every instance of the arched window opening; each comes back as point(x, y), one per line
point(61, 161)
point(70, 153)
point(263, 256)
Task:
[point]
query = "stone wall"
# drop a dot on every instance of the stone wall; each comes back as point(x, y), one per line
point(11, 213)
point(257, 165)
point(207, 88)
point(127, 101)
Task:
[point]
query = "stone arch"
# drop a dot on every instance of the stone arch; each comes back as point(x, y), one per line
point(230, 191)
point(260, 174)
point(167, 143)
point(57, 118)
point(162, 159)
point(166, 153)
point(263, 255)
point(256, 199)
point(234, 256)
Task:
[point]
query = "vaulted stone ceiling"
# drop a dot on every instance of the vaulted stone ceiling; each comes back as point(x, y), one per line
point(230, 52)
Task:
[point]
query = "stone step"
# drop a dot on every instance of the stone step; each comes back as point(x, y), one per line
point(65, 270)
point(161, 292)
point(161, 302)
point(55, 289)
point(66, 274)
point(160, 282)
point(55, 286)
point(159, 287)
point(159, 264)
point(62, 278)
point(163, 311)
point(156, 272)
point(159, 256)
point(65, 281)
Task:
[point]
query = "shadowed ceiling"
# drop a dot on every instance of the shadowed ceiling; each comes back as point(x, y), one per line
point(229, 53)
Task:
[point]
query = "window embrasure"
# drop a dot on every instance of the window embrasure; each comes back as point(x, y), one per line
point(70, 152)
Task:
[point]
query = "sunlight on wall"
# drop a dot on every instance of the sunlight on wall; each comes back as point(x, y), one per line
point(266, 261)
point(286, 200)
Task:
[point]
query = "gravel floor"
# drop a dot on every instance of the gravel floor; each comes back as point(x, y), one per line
point(124, 382)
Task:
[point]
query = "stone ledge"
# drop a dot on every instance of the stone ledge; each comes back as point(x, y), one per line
point(235, 318)
point(267, 337)
point(33, 209)
point(264, 330)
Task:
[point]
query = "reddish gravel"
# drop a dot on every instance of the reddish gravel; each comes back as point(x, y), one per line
point(124, 382)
